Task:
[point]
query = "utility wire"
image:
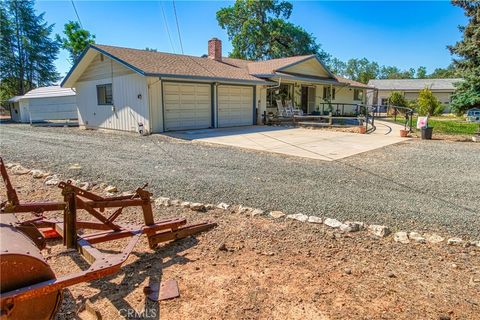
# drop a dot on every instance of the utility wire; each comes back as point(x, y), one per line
point(178, 28)
point(78, 17)
point(166, 27)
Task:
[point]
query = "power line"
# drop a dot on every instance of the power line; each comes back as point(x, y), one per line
point(78, 17)
point(166, 27)
point(178, 28)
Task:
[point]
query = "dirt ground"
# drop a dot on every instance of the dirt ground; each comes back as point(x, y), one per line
point(258, 268)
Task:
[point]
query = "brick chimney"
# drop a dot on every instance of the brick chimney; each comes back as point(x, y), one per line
point(215, 49)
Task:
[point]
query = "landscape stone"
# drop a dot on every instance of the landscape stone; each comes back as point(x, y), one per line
point(52, 180)
point(401, 237)
point(257, 212)
point(315, 219)
point(298, 216)
point(242, 209)
point(19, 170)
point(350, 226)
point(197, 207)
point(38, 174)
point(455, 241)
point(162, 201)
point(379, 230)
point(175, 202)
point(185, 204)
point(417, 237)
point(333, 223)
point(111, 189)
point(223, 205)
point(433, 238)
point(209, 206)
point(277, 214)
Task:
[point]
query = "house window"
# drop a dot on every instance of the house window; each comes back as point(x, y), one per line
point(104, 94)
point(326, 93)
point(358, 94)
point(384, 102)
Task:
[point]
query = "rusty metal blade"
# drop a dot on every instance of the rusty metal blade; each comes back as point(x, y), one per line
point(162, 291)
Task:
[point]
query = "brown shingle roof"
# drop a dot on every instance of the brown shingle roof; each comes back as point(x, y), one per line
point(352, 82)
point(269, 66)
point(151, 63)
point(168, 64)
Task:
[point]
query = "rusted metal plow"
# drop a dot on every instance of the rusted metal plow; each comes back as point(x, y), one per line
point(29, 288)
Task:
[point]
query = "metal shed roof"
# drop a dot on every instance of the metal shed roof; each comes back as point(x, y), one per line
point(414, 84)
point(48, 92)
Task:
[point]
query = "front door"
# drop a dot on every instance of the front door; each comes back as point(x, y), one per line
point(308, 99)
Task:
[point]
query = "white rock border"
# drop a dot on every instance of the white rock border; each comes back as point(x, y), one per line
point(380, 231)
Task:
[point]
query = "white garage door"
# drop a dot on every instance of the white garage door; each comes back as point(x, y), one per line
point(53, 108)
point(235, 106)
point(187, 106)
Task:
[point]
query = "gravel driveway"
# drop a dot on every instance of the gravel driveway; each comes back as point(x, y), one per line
point(431, 185)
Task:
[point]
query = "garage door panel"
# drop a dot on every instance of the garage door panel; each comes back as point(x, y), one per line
point(187, 106)
point(235, 106)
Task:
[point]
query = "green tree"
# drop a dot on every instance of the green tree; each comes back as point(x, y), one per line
point(27, 53)
point(337, 67)
point(361, 70)
point(442, 73)
point(397, 99)
point(421, 73)
point(259, 30)
point(467, 94)
point(76, 39)
point(428, 104)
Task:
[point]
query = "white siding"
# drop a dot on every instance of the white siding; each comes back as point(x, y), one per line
point(105, 69)
point(130, 104)
point(155, 101)
point(15, 112)
point(261, 97)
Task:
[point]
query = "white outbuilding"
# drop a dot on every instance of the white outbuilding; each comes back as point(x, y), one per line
point(44, 104)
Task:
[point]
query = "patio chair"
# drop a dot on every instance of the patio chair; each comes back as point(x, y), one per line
point(283, 112)
point(295, 111)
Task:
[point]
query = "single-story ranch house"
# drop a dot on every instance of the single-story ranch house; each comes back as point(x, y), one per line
point(138, 90)
point(441, 88)
point(44, 104)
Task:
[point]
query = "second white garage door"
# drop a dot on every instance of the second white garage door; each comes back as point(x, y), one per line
point(187, 106)
point(235, 106)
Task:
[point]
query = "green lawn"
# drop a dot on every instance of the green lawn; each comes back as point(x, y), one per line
point(445, 125)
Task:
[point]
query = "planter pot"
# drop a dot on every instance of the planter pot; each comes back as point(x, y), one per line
point(427, 133)
point(362, 130)
point(404, 133)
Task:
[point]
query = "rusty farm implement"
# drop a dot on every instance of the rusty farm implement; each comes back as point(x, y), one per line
point(29, 288)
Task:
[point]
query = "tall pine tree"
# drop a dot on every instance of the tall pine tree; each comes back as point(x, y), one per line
point(467, 94)
point(27, 52)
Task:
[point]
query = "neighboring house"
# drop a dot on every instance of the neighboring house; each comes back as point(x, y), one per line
point(44, 104)
point(441, 88)
point(135, 90)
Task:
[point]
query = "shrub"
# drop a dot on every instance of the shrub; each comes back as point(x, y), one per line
point(397, 99)
point(427, 103)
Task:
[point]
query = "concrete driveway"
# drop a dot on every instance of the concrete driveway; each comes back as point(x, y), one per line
point(327, 145)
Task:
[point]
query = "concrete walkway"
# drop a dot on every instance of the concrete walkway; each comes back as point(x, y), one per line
point(307, 143)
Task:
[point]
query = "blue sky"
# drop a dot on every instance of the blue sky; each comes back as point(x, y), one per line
point(405, 34)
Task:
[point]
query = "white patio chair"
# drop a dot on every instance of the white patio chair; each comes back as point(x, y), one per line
point(292, 109)
point(282, 111)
